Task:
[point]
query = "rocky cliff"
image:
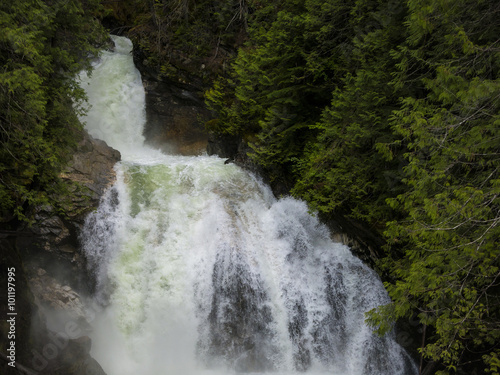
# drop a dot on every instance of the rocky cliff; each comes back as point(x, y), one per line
point(53, 241)
point(175, 111)
point(51, 279)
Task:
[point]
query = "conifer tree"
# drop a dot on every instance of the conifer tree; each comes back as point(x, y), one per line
point(42, 47)
point(344, 169)
point(450, 271)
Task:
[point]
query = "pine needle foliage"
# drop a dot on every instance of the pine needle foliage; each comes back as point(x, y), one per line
point(389, 112)
point(43, 45)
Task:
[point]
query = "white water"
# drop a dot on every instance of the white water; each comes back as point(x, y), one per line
point(203, 271)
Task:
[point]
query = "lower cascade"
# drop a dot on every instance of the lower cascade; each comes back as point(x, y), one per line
point(200, 270)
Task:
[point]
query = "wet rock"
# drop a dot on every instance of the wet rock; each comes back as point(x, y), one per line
point(53, 245)
point(175, 117)
point(363, 241)
point(92, 166)
point(175, 109)
point(239, 332)
point(51, 295)
point(225, 146)
point(71, 357)
point(23, 305)
point(39, 350)
point(41, 272)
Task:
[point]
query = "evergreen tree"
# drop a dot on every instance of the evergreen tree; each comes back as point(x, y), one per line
point(388, 112)
point(450, 236)
point(345, 169)
point(42, 47)
point(182, 39)
point(282, 79)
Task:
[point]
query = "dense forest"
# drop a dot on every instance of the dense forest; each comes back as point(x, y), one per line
point(387, 112)
point(43, 45)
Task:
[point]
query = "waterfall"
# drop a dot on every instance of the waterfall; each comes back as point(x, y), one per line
point(200, 270)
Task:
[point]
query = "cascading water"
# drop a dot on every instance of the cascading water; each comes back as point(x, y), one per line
point(202, 270)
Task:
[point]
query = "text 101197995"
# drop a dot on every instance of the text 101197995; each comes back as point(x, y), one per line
point(11, 315)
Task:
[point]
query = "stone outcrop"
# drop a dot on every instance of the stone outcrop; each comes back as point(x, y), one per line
point(23, 305)
point(73, 358)
point(224, 146)
point(64, 347)
point(36, 348)
point(174, 118)
point(175, 111)
point(50, 272)
point(52, 297)
point(92, 166)
point(53, 241)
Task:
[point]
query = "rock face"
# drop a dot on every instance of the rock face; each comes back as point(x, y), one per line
point(53, 243)
point(38, 349)
point(92, 166)
point(23, 305)
point(225, 146)
point(239, 322)
point(51, 296)
point(174, 118)
point(175, 111)
point(52, 323)
point(73, 359)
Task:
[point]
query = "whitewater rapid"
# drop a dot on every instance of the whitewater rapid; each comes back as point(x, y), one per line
point(200, 270)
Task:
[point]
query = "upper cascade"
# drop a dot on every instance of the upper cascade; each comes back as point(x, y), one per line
point(117, 98)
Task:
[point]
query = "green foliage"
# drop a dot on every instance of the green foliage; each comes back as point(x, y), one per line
point(450, 234)
point(282, 79)
point(345, 169)
point(183, 38)
point(388, 112)
point(42, 47)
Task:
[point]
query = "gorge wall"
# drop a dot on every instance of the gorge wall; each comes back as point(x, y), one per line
point(175, 110)
point(51, 277)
